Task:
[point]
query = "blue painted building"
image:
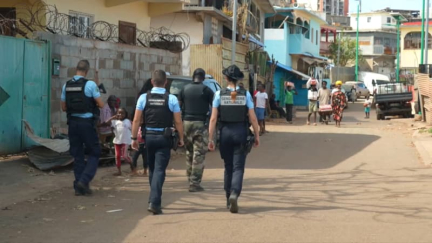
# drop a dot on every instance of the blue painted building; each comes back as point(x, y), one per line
point(293, 37)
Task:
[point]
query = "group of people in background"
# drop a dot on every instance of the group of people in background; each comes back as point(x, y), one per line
point(319, 94)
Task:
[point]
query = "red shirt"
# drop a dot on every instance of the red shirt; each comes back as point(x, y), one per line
point(255, 92)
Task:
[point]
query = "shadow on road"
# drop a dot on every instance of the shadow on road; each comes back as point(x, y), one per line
point(358, 190)
point(300, 151)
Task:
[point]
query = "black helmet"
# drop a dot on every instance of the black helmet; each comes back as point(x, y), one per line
point(233, 72)
point(199, 73)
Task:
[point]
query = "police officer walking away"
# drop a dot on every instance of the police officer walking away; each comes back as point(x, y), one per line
point(195, 99)
point(235, 108)
point(158, 109)
point(80, 99)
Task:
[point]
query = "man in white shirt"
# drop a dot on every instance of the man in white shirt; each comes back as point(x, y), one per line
point(324, 96)
point(262, 103)
point(313, 101)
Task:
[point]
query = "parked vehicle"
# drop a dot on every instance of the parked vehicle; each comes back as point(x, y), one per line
point(392, 99)
point(176, 83)
point(347, 88)
point(362, 90)
point(373, 79)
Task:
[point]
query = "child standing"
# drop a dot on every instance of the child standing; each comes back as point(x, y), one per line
point(367, 105)
point(141, 151)
point(122, 127)
point(262, 103)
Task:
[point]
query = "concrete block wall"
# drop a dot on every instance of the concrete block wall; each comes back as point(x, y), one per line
point(342, 73)
point(123, 69)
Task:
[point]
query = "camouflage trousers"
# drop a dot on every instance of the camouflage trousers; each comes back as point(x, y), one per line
point(196, 141)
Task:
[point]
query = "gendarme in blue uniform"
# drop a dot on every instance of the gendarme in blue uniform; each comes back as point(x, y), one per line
point(158, 108)
point(233, 118)
point(82, 130)
point(173, 104)
point(90, 89)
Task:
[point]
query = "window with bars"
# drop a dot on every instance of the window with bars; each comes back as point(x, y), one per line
point(413, 41)
point(79, 24)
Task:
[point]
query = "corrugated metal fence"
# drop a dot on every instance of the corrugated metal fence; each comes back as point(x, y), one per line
point(214, 58)
point(24, 91)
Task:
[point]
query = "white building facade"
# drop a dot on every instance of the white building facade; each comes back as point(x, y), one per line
point(374, 21)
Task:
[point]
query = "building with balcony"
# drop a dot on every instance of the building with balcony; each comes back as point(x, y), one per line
point(126, 14)
point(377, 40)
point(328, 35)
point(293, 37)
point(378, 49)
point(340, 22)
point(206, 23)
point(329, 7)
point(411, 45)
point(374, 21)
point(113, 35)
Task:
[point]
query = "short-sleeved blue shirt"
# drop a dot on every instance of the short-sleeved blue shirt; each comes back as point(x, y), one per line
point(249, 101)
point(173, 103)
point(90, 90)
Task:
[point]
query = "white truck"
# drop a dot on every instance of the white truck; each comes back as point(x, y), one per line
point(371, 80)
point(392, 99)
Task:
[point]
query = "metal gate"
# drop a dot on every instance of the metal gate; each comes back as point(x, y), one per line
point(24, 91)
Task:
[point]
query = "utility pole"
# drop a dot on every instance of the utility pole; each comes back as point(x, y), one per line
point(398, 22)
point(422, 34)
point(234, 33)
point(427, 37)
point(338, 56)
point(357, 41)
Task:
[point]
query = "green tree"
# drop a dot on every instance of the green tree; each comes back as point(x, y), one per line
point(347, 51)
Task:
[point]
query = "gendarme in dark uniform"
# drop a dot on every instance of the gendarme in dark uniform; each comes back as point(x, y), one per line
point(235, 109)
point(158, 109)
point(195, 99)
point(81, 100)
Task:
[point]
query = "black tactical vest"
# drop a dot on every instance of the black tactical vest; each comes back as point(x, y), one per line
point(233, 112)
point(195, 103)
point(156, 112)
point(76, 100)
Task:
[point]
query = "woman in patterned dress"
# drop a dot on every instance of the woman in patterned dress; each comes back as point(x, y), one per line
point(338, 103)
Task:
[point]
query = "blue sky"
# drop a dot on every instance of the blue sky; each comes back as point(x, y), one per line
point(371, 5)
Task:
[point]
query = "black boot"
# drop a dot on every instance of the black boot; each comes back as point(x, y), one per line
point(83, 189)
point(153, 209)
point(233, 206)
point(195, 188)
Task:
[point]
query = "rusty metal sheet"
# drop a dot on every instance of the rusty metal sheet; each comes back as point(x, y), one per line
point(57, 145)
point(209, 58)
point(215, 57)
point(240, 58)
point(240, 47)
point(46, 159)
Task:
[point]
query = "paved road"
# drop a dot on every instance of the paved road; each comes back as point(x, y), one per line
point(360, 183)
